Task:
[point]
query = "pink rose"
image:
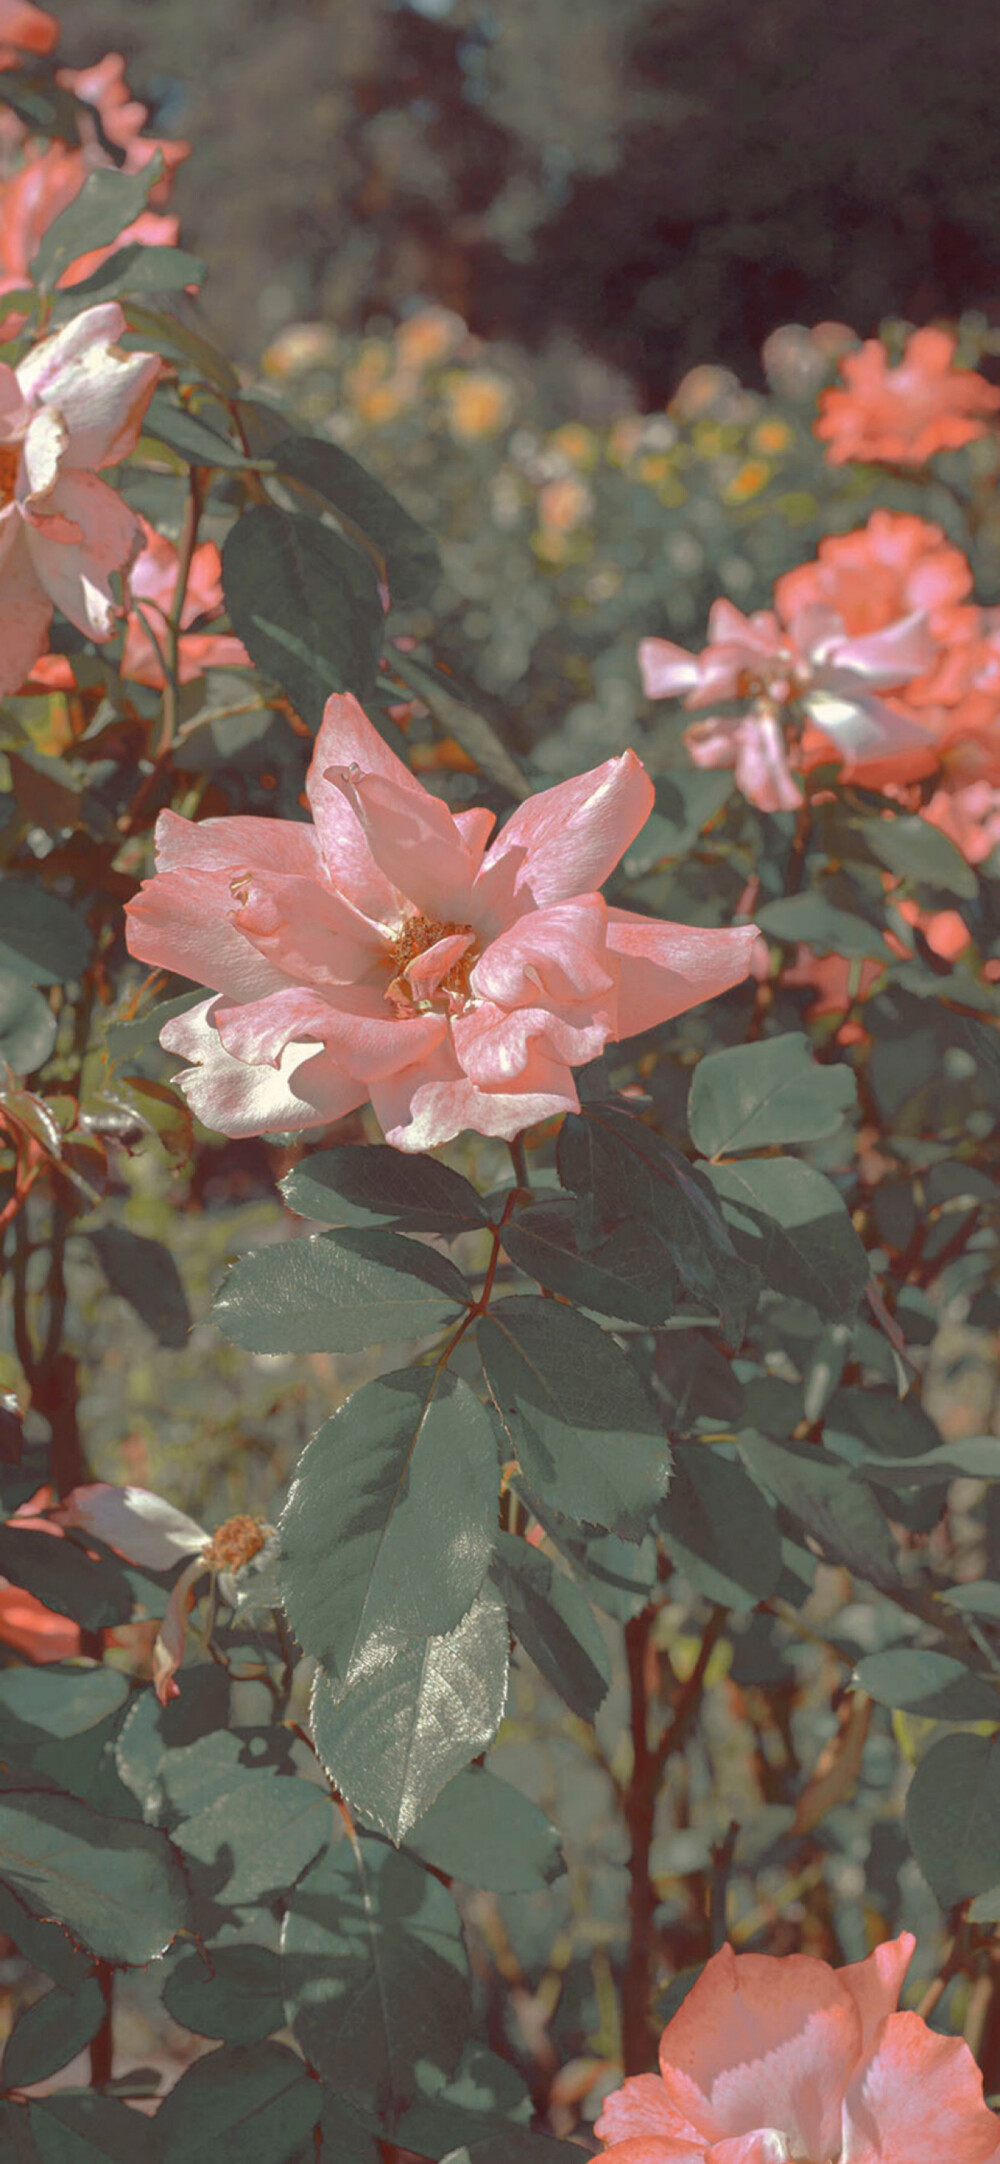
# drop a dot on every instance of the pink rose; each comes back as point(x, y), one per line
point(153, 583)
point(73, 404)
point(24, 28)
point(384, 952)
point(773, 2059)
point(904, 414)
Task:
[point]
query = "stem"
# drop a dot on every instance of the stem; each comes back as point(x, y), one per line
point(520, 1163)
point(185, 553)
point(102, 2045)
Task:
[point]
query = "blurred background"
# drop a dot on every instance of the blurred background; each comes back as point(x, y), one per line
point(659, 182)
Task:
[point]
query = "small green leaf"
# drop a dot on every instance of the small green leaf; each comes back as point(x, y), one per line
point(42, 939)
point(115, 1885)
point(50, 2033)
point(822, 926)
point(259, 1834)
point(28, 1027)
point(953, 1816)
point(232, 1993)
point(107, 202)
point(758, 1094)
point(719, 1530)
point(187, 433)
point(370, 1557)
point(409, 553)
point(62, 1700)
point(338, 1292)
point(822, 1493)
point(376, 1983)
point(143, 1272)
point(306, 605)
point(934, 1685)
point(79, 2129)
point(553, 1621)
point(586, 1435)
point(485, 1832)
point(244, 2104)
point(135, 268)
point(791, 1223)
point(392, 1738)
point(921, 854)
point(366, 1184)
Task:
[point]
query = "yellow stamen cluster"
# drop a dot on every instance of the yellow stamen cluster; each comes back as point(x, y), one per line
point(235, 1543)
point(10, 460)
point(417, 935)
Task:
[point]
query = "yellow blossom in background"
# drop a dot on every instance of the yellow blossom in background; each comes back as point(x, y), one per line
point(429, 337)
point(749, 481)
point(654, 467)
point(771, 436)
point(299, 347)
point(563, 505)
point(577, 443)
point(477, 404)
point(374, 387)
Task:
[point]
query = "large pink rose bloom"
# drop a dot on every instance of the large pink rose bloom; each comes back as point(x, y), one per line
point(73, 404)
point(770, 2060)
point(384, 952)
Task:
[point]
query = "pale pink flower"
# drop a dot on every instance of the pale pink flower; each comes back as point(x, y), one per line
point(904, 414)
point(38, 192)
point(384, 952)
point(122, 117)
point(153, 583)
point(73, 404)
point(773, 2059)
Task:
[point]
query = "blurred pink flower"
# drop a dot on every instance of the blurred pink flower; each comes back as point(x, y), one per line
point(24, 29)
point(122, 118)
point(384, 952)
point(775, 2058)
point(153, 582)
point(73, 404)
point(43, 187)
point(894, 565)
point(904, 414)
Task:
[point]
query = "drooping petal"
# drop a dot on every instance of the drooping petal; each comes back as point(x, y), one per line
point(100, 395)
point(25, 609)
point(139, 1525)
point(875, 1984)
point(565, 841)
point(712, 743)
point(642, 2107)
point(667, 671)
point(346, 738)
point(433, 1101)
point(184, 921)
point(762, 769)
point(236, 844)
point(666, 968)
point(77, 574)
point(366, 1036)
point(560, 952)
point(307, 1089)
point(168, 1648)
point(918, 2099)
point(763, 2044)
point(496, 1048)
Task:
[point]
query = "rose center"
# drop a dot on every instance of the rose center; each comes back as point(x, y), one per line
point(416, 937)
point(10, 461)
point(235, 1543)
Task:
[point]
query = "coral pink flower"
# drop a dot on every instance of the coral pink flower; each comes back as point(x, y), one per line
point(904, 414)
point(73, 404)
point(970, 816)
point(893, 566)
point(37, 193)
point(153, 582)
point(24, 29)
point(122, 120)
point(773, 2059)
point(383, 951)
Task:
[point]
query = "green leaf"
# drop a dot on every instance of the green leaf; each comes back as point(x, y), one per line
point(196, 355)
point(375, 1973)
point(126, 1040)
point(476, 2137)
point(823, 927)
point(935, 1685)
point(135, 268)
point(50, 2033)
point(232, 1993)
point(554, 1623)
point(260, 1834)
point(627, 1276)
point(409, 553)
point(370, 1558)
point(719, 1530)
point(107, 202)
point(486, 1833)
point(115, 1885)
point(977, 1458)
point(793, 1226)
point(953, 1816)
point(43, 1944)
point(393, 1738)
point(921, 854)
point(62, 1700)
point(193, 438)
point(244, 2104)
point(75, 2129)
point(368, 1183)
point(94, 1590)
point(306, 605)
point(151, 1734)
point(758, 1094)
point(16, 2144)
point(144, 1273)
point(586, 1435)
point(338, 1292)
point(42, 939)
point(344, 2136)
point(823, 1495)
point(28, 1027)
